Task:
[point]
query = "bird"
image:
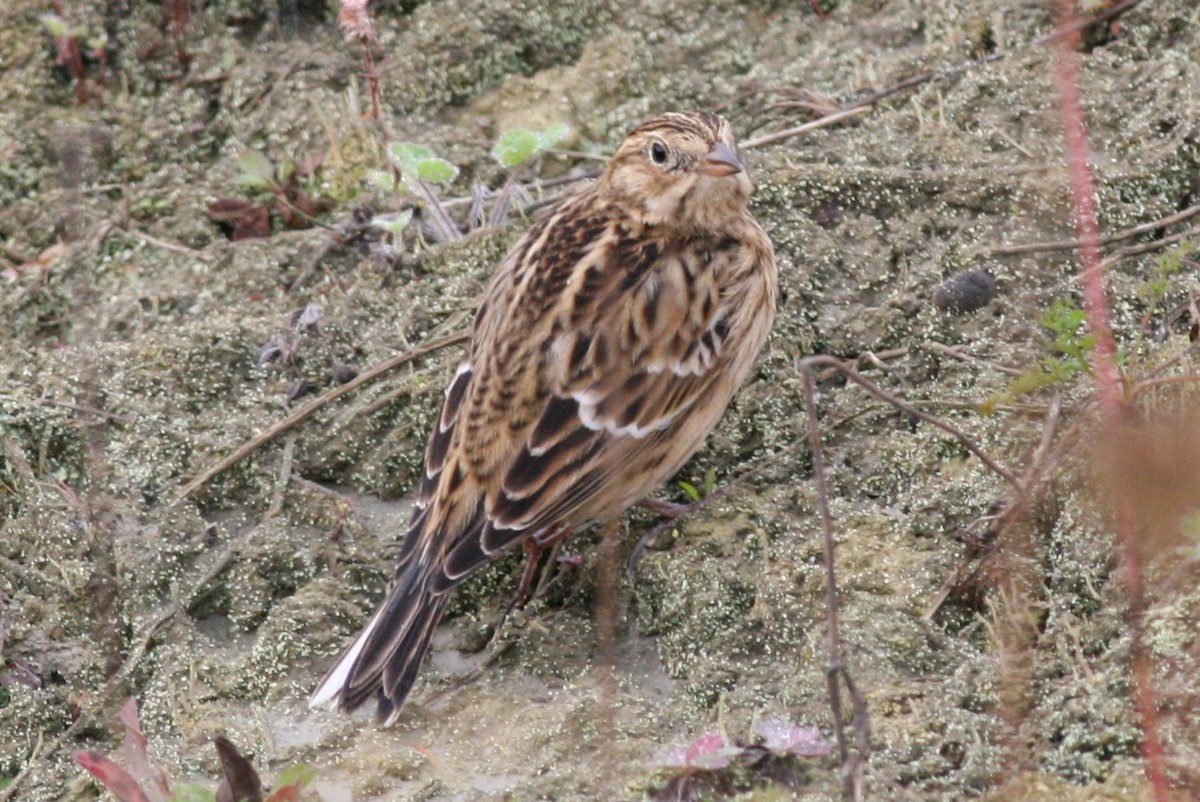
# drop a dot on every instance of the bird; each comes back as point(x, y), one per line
point(607, 346)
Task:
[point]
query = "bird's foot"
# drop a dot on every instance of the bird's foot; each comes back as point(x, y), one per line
point(534, 547)
point(664, 509)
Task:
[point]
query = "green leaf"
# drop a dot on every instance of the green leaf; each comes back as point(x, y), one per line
point(710, 482)
point(257, 170)
point(552, 136)
point(253, 181)
point(382, 179)
point(691, 490)
point(193, 793)
point(515, 147)
point(299, 773)
point(393, 224)
point(406, 155)
point(287, 169)
point(54, 24)
point(436, 170)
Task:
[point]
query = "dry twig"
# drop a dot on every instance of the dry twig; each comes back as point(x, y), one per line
point(1129, 233)
point(273, 431)
point(853, 766)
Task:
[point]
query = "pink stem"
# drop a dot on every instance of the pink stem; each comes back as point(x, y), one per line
point(1109, 385)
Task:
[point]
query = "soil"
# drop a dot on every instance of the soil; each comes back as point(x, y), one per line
point(141, 346)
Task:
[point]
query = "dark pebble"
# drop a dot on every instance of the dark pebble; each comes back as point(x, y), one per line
point(965, 292)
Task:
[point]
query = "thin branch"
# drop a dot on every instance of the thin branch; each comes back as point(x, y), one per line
point(855, 108)
point(956, 352)
point(162, 243)
point(285, 476)
point(1147, 384)
point(340, 235)
point(914, 81)
point(84, 409)
point(441, 222)
point(1072, 244)
point(788, 133)
point(1154, 245)
point(883, 395)
point(835, 672)
point(1068, 30)
point(952, 72)
point(317, 403)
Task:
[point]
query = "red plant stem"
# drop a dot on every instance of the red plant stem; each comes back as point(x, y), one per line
point(372, 75)
point(1109, 386)
point(1087, 232)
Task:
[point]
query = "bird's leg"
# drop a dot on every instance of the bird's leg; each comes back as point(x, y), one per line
point(671, 512)
point(534, 546)
point(533, 554)
point(664, 509)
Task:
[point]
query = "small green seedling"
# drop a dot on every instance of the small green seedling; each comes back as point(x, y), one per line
point(418, 163)
point(706, 488)
point(413, 168)
point(1152, 291)
point(520, 145)
point(393, 224)
point(1072, 345)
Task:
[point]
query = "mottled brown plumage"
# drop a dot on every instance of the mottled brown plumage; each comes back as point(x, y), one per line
point(608, 345)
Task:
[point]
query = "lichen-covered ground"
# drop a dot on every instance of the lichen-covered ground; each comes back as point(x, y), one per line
point(131, 331)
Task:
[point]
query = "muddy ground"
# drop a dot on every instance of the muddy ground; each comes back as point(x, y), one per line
point(141, 346)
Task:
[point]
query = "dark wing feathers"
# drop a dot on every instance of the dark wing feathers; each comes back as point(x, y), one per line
point(435, 462)
point(598, 412)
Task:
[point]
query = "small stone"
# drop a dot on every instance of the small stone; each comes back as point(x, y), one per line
point(965, 292)
point(342, 372)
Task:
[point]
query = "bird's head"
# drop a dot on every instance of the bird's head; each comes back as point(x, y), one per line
point(680, 170)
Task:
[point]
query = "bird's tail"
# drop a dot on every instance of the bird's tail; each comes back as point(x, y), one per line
point(384, 659)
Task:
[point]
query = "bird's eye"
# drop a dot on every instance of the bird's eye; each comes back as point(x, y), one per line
point(658, 153)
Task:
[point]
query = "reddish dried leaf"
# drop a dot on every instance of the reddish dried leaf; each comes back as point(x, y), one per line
point(240, 782)
point(785, 738)
point(114, 778)
point(254, 224)
point(226, 210)
point(710, 751)
point(288, 793)
point(304, 203)
point(142, 767)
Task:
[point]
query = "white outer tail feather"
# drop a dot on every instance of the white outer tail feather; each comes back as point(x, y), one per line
point(329, 692)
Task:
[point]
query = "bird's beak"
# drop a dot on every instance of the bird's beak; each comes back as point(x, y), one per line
point(720, 161)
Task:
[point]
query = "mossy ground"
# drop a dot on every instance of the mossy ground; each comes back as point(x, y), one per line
point(128, 367)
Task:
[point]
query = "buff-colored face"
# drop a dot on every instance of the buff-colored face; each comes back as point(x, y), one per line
point(681, 171)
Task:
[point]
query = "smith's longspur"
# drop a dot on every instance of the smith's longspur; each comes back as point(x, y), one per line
point(607, 347)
